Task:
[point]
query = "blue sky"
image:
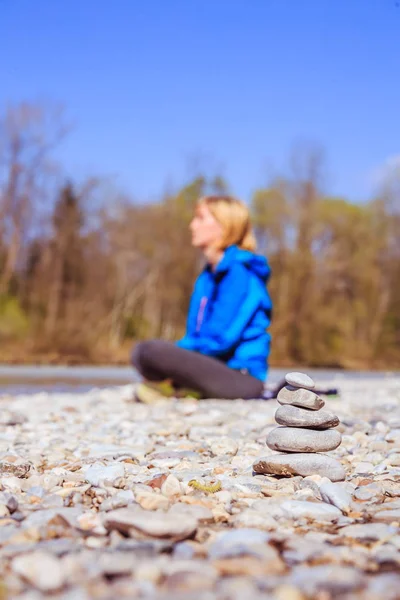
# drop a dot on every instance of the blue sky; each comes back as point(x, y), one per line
point(153, 86)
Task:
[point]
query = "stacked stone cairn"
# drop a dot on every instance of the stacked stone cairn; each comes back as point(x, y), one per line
point(305, 432)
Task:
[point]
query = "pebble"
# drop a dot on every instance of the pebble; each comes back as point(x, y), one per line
point(239, 543)
point(291, 439)
point(300, 380)
point(135, 520)
point(12, 484)
point(199, 512)
point(364, 493)
point(394, 460)
point(298, 509)
point(14, 468)
point(171, 487)
point(363, 467)
point(328, 578)
point(384, 586)
point(255, 518)
point(40, 569)
point(293, 416)
point(368, 531)
point(388, 516)
point(224, 446)
point(11, 502)
point(99, 474)
point(335, 494)
point(149, 500)
point(288, 592)
point(300, 397)
point(249, 566)
point(300, 464)
point(393, 436)
point(391, 488)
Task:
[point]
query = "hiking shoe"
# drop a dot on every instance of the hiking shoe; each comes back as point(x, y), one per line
point(188, 394)
point(332, 392)
point(153, 391)
point(149, 394)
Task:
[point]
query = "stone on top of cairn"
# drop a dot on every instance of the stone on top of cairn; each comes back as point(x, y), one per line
point(300, 380)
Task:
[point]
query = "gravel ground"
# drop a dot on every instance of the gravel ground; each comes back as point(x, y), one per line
point(102, 497)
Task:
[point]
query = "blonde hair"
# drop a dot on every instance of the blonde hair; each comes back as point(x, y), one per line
point(234, 217)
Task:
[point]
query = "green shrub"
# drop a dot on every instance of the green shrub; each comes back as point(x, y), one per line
point(14, 323)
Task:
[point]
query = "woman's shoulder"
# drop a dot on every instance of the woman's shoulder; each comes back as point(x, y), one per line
point(244, 261)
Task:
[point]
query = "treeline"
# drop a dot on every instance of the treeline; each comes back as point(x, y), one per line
point(85, 272)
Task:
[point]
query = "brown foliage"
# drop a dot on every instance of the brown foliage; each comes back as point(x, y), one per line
point(79, 283)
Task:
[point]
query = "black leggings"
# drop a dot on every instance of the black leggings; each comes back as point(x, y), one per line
point(157, 360)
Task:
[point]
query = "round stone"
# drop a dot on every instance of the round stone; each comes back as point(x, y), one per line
point(300, 380)
point(294, 439)
point(300, 397)
point(300, 464)
point(292, 416)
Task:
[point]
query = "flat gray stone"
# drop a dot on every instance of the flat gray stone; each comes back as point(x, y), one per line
point(98, 474)
point(41, 569)
point(41, 518)
point(300, 397)
point(300, 380)
point(393, 436)
point(300, 464)
point(385, 586)
point(136, 521)
point(335, 494)
point(291, 439)
point(238, 543)
point(252, 518)
point(202, 514)
point(145, 548)
point(334, 579)
point(299, 550)
point(365, 494)
point(293, 416)
point(316, 511)
point(391, 488)
point(363, 467)
point(387, 516)
point(368, 531)
point(120, 500)
point(387, 556)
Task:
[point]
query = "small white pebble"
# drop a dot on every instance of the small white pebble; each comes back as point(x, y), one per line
point(300, 380)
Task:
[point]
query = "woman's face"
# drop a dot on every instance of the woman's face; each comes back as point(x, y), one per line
point(205, 229)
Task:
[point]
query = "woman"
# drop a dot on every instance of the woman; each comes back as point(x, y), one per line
point(224, 352)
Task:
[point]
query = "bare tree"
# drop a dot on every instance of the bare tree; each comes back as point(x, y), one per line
point(28, 134)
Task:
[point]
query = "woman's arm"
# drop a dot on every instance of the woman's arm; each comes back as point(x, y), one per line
point(237, 300)
point(188, 342)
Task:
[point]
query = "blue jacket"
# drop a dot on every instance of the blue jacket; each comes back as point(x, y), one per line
point(229, 312)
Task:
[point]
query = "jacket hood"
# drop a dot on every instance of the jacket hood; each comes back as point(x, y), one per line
point(254, 262)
